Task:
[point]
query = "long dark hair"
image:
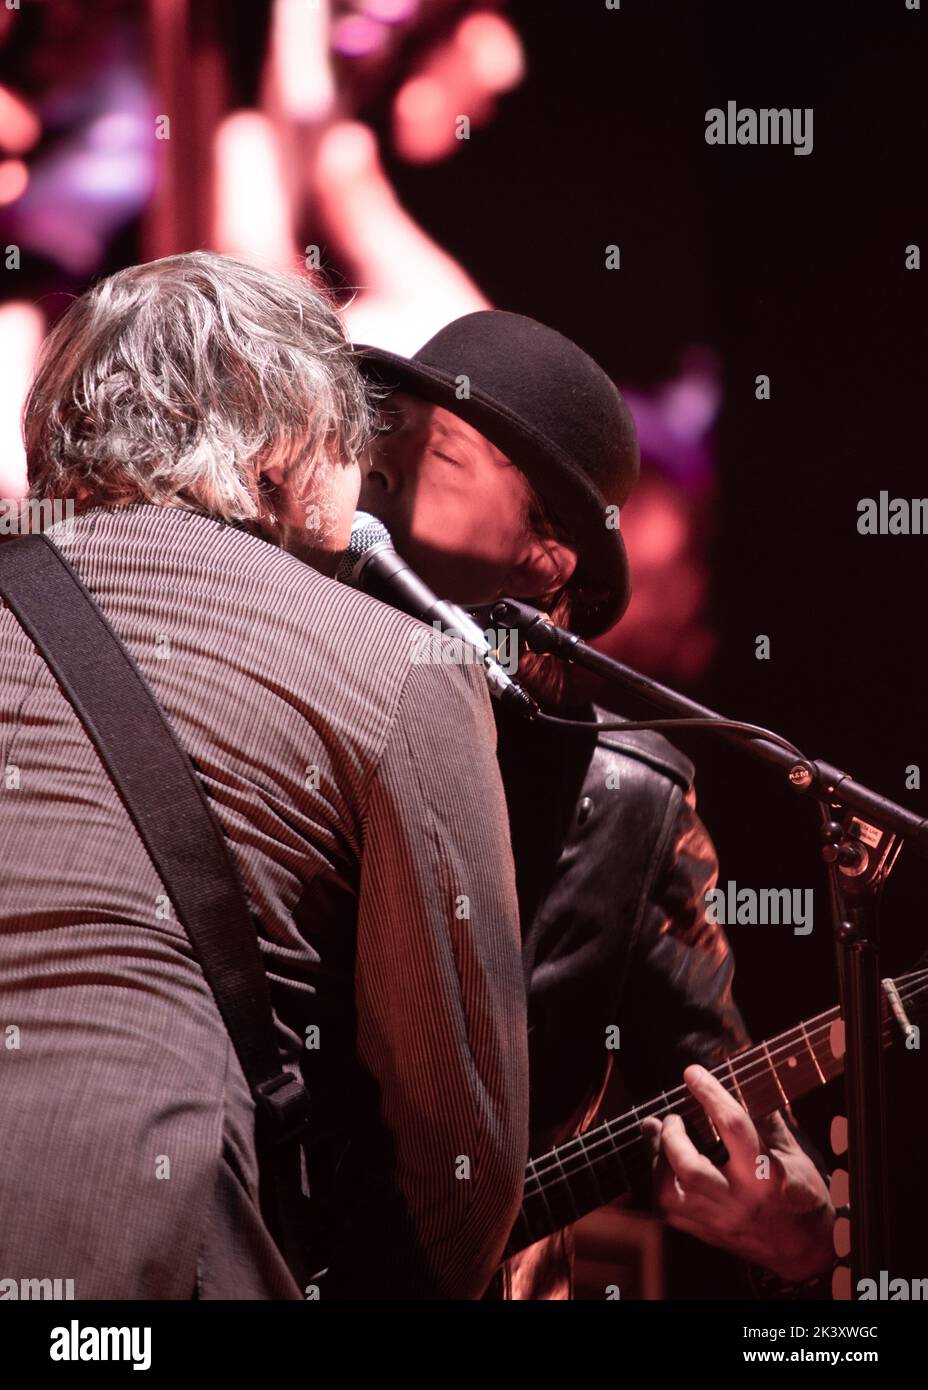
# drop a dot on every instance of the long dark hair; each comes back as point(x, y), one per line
point(545, 676)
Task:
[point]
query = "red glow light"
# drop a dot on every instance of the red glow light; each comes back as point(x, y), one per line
point(14, 180)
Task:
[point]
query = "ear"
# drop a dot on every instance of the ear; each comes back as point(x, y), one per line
point(275, 475)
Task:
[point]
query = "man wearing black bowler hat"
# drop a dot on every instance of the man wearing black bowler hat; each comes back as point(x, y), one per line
point(506, 456)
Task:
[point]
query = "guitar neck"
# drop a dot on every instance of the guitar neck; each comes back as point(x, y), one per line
point(589, 1171)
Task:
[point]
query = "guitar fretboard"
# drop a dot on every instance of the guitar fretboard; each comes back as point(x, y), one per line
point(589, 1171)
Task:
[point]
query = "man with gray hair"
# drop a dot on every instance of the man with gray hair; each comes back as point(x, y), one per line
point(206, 418)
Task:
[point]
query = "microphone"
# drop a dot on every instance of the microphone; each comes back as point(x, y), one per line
point(371, 563)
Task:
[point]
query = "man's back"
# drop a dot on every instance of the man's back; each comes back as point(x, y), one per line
point(126, 1149)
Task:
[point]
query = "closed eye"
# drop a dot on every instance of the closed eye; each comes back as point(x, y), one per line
point(456, 463)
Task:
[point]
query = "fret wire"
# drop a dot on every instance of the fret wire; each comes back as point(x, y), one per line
point(567, 1186)
point(737, 1087)
point(775, 1074)
point(541, 1193)
point(591, 1167)
point(821, 1074)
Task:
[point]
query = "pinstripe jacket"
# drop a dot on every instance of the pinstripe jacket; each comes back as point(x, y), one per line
point(361, 796)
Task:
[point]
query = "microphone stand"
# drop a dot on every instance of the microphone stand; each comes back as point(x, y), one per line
point(861, 836)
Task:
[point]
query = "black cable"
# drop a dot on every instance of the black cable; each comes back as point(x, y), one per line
point(630, 726)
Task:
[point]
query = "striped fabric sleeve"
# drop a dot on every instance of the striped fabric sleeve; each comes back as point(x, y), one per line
point(439, 986)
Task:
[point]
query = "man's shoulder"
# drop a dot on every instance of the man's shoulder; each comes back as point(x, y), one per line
point(311, 630)
point(653, 757)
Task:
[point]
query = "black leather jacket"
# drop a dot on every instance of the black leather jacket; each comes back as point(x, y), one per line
point(612, 866)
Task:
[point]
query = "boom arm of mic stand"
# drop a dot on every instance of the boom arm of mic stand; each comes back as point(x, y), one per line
point(822, 779)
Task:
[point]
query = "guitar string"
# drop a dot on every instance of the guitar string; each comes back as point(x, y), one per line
point(610, 1134)
point(742, 1067)
point(615, 1140)
point(750, 1070)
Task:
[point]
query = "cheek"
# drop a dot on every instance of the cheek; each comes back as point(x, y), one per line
point(441, 519)
point(454, 513)
point(352, 487)
point(345, 492)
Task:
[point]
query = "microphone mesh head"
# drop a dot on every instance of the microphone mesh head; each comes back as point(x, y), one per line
point(367, 533)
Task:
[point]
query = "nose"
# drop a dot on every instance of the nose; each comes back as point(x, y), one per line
point(380, 477)
point(382, 473)
point(392, 453)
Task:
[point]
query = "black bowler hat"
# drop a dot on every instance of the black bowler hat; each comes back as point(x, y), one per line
point(559, 418)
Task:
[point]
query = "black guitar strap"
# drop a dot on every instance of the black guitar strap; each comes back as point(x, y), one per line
point(165, 798)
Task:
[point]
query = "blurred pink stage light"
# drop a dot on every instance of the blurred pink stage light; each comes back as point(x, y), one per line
point(660, 533)
point(423, 120)
point(14, 180)
point(251, 217)
point(675, 422)
point(494, 51)
point(357, 36)
point(390, 11)
point(22, 327)
point(462, 77)
point(410, 286)
point(19, 125)
point(112, 133)
point(97, 172)
point(302, 67)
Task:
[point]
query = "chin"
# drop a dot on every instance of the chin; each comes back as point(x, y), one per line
point(321, 555)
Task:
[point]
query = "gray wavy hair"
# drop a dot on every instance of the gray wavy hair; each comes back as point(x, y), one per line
point(182, 381)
